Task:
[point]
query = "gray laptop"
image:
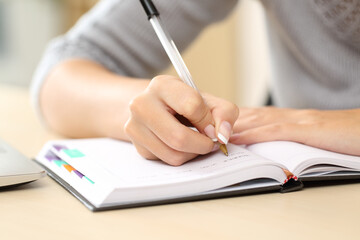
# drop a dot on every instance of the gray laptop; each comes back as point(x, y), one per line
point(15, 168)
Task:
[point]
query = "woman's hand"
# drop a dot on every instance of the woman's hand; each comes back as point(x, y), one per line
point(156, 132)
point(335, 130)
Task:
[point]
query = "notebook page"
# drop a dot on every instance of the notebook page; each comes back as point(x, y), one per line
point(297, 157)
point(120, 163)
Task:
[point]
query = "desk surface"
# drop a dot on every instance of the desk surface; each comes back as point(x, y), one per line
point(44, 210)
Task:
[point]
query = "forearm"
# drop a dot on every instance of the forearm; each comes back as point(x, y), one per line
point(83, 99)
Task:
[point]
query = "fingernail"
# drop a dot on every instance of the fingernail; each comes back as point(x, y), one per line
point(210, 131)
point(224, 132)
point(216, 147)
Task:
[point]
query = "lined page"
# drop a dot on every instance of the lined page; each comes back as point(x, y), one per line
point(297, 157)
point(119, 163)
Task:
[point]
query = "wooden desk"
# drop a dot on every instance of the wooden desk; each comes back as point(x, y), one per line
point(44, 210)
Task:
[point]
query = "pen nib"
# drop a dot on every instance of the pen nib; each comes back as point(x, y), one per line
point(224, 149)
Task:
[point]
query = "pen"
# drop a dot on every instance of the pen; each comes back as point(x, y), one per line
point(170, 48)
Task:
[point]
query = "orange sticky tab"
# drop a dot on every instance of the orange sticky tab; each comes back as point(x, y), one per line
point(69, 168)
point(288, 173)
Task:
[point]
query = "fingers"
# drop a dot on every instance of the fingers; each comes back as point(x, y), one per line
point(166, 127)
point(151, 147)
point(256, 117)
point(274, 132)
point(157, 133)
point(210, 115)
point(317, 128)
point(184, 100)
point(270, 124)
point(155, 129)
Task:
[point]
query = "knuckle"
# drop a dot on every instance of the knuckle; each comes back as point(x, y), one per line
point(177, 140)
point(192, 104)
point(233, 108)
point(160, 78)
point(128, 128)
point(264, 112)
point(248, 113)
point(160, 81)
point(146, 154)
point(176, 159)
point(275, 128)
point(251, 111)
point(281, 128)
point(255, 118)
point(136, 105)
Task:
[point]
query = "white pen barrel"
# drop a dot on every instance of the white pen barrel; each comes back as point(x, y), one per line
point(172, 52)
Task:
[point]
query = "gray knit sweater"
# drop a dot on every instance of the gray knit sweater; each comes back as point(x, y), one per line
point(315, 45)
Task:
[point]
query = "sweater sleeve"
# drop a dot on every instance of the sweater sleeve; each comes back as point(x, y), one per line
point(117, 35)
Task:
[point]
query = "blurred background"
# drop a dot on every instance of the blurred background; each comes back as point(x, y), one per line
point(229, 59)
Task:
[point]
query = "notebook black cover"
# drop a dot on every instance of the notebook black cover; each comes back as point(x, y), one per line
point(292, 185)
point(221, 193)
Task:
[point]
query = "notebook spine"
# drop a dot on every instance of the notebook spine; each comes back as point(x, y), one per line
point(289, 178)
point(291, 184)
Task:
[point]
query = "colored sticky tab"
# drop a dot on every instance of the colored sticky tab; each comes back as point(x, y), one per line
point(73, 153)
point(60, 162)
point(79, 174)
point(88, 179)
point(51, 156)
point(59, 147)
point(69, 168)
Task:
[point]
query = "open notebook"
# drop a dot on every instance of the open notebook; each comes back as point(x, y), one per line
point(105, 173)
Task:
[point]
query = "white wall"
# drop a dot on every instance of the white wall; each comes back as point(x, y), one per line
point(27, 27)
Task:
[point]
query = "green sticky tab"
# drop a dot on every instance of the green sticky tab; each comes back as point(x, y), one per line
point(73, 153)
point(88, 179)
point(59, 163)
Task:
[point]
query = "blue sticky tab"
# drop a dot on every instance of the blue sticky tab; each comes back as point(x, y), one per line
point(60, 162)
point(73, 153)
